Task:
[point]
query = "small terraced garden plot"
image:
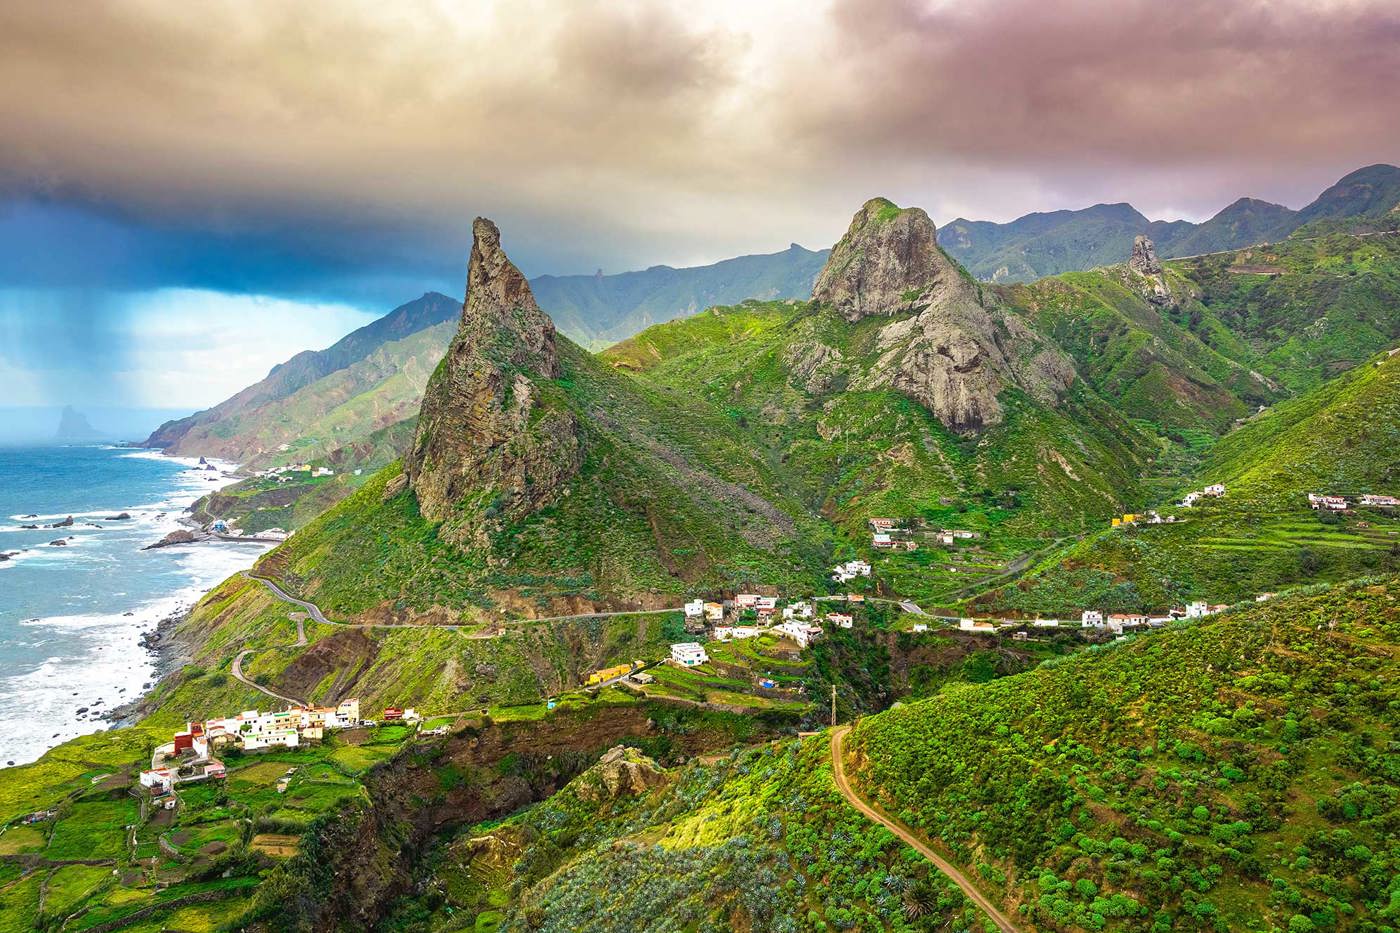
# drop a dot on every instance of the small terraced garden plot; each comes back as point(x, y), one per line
point(93, 829)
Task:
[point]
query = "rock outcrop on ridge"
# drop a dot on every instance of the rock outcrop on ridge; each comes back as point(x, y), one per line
point(945, 347)
point(1153, 284)
point(490, 443)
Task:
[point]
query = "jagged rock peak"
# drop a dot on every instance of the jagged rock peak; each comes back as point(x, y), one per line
point(1144, 258)
point(501, 310)
point(889, 262)
point(489, 446)
point(945, 348)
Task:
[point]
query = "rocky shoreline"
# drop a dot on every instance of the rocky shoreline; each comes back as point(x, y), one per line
point(170, 654)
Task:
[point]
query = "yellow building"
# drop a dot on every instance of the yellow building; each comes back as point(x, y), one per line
point(607, 673)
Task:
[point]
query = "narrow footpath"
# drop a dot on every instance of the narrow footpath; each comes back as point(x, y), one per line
point(838, 772)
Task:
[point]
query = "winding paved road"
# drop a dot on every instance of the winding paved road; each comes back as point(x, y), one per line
point(319, 616)
point(237, 672)
point(843, 784)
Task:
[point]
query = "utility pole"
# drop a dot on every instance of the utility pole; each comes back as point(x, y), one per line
point(833, 704)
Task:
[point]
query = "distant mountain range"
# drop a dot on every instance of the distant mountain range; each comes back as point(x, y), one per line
point(1042, 244)
point(596, 311)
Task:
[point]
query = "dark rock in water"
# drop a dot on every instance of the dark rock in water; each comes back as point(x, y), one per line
point(211, 468)
point(82, 709)
point(66, 523)
point(178, 536)
point(128, 613)
point(61, 542)
point(29, 527)
point(202, 461)
point(93, 525)
point(30, 515)
point(123, 517)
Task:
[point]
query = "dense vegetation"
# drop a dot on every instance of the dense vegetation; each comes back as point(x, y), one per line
point(1238, 773)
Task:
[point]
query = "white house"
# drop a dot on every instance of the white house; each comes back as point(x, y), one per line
point(1190, 499)
point(1329, 503)
point(841, 619)
point(1214, 489)
point(1046, 623)
point(1382, 502)
point(1121, 620)
point(881, 540)
point(1197, 610)
point(1091, 618)
point(800, 632)
point(695, 609)
point(945, 538)
point(688, 654)
point(746, 601)
point(919, 627)
point(714, 612)
point(766, 603)
point(731, 632)
point(799, 610)
point(975, 625)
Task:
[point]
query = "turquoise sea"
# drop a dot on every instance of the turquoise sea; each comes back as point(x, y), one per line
point(71, 615)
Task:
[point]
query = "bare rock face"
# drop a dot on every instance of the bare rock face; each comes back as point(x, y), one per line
point(621, 772)
point(1144, 258)
point(489, 444)
point(946, 348)
point(1152, 282)
point(889, 262)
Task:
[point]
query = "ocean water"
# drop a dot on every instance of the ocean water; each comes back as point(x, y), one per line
point(71, 617)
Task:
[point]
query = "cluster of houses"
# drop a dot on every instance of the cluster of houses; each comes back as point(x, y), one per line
point(1213, 491)
point(883, 532)
point(283, 474)
point(222, 527)
point(797, 620)
point(1333, 503)
point(191, 755)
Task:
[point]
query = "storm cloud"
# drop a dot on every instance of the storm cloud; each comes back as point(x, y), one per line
point(340, 150)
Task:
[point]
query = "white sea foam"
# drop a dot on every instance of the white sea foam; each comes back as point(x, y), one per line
point(104, 665)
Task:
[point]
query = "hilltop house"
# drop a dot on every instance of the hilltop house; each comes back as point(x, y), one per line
point(841, 619)
point(882, 524)
point(688, 654)
point(800, 632)
point(1091, 618)
point(695, 609)
point(1215, 490)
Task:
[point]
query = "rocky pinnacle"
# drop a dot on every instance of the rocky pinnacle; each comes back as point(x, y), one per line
point(488, 447)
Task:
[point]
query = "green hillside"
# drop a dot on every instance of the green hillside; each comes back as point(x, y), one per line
point(1340, 438)
point(1235, 774)
point(220, 431)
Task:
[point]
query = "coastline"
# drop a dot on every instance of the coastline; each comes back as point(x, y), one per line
point(168, 655)
point(78, 611)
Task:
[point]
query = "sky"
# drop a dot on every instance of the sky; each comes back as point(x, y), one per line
point(210, 193)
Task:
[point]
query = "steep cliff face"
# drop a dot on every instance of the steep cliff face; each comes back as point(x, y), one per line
point(945, 347)
point(491, 440)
